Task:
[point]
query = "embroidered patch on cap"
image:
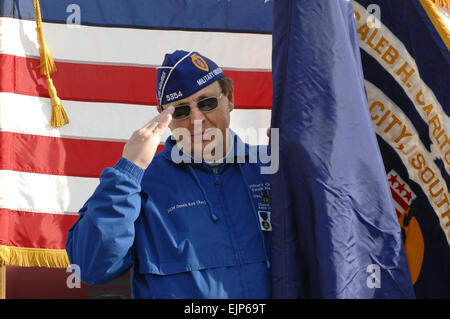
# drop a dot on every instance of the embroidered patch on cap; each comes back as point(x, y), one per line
point(199, 62)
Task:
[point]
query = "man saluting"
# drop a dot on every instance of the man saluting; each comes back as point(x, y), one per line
point(188, 221)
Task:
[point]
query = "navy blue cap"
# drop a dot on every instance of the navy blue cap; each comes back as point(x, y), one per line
point(184, 73)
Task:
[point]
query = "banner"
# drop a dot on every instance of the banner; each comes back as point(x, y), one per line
point(406, 62)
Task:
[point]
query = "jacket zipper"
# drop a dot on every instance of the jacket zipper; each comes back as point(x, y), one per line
point(236, 250)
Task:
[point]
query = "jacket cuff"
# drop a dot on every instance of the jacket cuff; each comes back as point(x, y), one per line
point(130, 169)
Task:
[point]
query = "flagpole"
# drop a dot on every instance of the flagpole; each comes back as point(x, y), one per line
point(2, 282)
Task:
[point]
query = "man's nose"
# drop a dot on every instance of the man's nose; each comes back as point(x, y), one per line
point(196, 114)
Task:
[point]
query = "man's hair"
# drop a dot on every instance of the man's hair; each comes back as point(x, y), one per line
point(226, 84)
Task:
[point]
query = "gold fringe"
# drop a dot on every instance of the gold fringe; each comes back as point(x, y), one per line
point(2, 282)
point(33, 257)
point(435, 17)
point(47, 67)
point(443, 3)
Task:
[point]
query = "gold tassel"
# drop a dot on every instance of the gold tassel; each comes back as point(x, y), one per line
point(47, 67)
point(59, 116)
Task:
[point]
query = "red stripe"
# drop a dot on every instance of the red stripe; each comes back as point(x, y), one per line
point(34, 230)
point(116, 84)
point(57, 155)
point(399, 200)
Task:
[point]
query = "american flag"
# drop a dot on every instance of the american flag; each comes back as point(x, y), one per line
point(106, 54)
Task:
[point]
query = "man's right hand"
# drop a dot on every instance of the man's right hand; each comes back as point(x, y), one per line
point(142, 145)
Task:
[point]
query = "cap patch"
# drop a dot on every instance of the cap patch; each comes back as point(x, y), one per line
point(199, 62)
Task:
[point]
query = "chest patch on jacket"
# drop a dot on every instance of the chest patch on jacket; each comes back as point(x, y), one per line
point(264, 220)
point(261, 197)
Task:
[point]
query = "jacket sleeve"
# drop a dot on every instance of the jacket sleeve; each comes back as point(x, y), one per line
point(101, 240)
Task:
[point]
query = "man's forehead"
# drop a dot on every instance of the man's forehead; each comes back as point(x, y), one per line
point(210, 90)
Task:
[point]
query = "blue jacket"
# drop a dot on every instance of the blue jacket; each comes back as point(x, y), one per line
point(186, 230)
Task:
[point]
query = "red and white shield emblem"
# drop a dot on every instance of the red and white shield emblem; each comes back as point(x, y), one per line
point(401, 193)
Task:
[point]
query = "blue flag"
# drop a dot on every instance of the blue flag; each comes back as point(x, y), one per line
point(336, 234)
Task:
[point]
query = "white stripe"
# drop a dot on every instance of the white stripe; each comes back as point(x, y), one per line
point(255, 122)
point(94, 120)
point(44, 193)
point(134, 46)
point(112, 121)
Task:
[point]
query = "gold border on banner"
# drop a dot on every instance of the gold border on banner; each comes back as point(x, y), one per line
point(436, 19)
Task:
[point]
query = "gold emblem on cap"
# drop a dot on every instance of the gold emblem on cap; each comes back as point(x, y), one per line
point(199, 62)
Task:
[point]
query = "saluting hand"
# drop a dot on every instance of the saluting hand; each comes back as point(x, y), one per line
point(142, 145)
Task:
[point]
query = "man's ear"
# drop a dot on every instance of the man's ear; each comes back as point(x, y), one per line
point(230, 97)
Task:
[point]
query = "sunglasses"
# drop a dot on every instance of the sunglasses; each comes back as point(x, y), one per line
point(206, 105)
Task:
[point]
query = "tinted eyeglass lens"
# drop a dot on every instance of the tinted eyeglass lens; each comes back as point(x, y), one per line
point(208, 104)
point(181, 112)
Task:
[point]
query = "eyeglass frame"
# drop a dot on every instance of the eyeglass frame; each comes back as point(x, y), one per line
point(219, 97)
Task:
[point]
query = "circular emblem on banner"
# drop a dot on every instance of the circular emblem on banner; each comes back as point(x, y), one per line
point(199, 62)
point(414, 243)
